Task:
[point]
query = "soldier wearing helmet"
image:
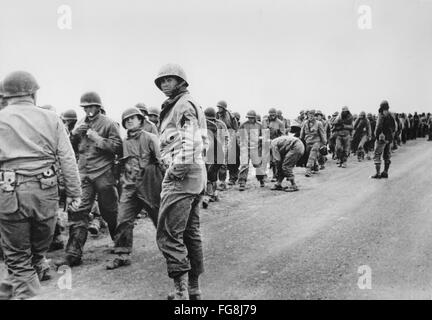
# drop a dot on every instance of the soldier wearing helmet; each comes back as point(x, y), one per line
point(183, 141)
point(362, 134)
point(286, 122)
point(146, 124)
point(232, 164)
point(276, 128)
point(250, 140)
point(28, 184)
point(153, 116)
point(312, 132)
point(342, 128)
point(141, 184)
point(97, 139)
point(217, 133)
point(384, 132)
point(69, 118)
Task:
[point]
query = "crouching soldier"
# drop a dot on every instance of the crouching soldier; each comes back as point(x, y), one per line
point(141, 184)
point(183, 140)
point(28, 184)
point(287, 150)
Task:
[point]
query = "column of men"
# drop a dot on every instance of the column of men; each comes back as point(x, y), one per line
point(168, 164)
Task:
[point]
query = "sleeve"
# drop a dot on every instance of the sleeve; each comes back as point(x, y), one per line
point(275, 150)
point(154, 147)
point(302, 131)
point(322, 133)
point(368, 127)
point(113, 142)
point(154, 129)
point(379, 124)
point(68, 165)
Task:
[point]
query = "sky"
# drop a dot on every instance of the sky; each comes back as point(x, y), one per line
point(255, 54)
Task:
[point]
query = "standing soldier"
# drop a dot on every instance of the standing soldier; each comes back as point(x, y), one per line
point(98, 141)
point(141, 184)
point(216, 132)
point(286, 121)
point(277, 128)
point(321, 157)
point(384, 132)
point(332, 137)
point(343, 126)
point(362, 134)
point(371, 143)
point(183, 140)
point(233, 149)
point(313, 134)
point(287, 150)
point(146, 125)
point(153, 116)
point(28, 184)
point(69, 118)
point(250, 136)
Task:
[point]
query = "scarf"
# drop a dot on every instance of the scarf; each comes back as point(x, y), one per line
point(177, 93)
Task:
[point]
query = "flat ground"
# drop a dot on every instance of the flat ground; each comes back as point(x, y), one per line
point(262, 244)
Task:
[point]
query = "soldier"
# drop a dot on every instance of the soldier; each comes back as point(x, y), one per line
point(369, 146)
point(332, 136)
point(153, 116)
point(277, 129)
point(429, 122)
point(28, 184)
point(312, 132)
point(217, 133)
point(147, 125)
point(287, 150)
point(405, 127)
point(69, 118)
point(183, 140)
point(362, 134)
point(286, 122)
point(343, 126)
point(98, 140)
point(233, 148)
point(250, 137)
point(237, 117)
point(384, 132)
point(322, 159)
point(141, 184)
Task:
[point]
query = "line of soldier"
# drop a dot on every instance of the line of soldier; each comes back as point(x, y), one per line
point(40, 154)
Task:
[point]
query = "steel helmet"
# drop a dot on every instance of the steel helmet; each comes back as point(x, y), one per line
point(210, 113)
point(369, 115)
point(236, 115)
point(129, 113)
point(222, 104)
point(69, 115)
point(312, 111)
point(142, 107)
point(345, 109)
point(18, 84)
point(170, 70)
point(319, 113)
point(153, 112)
point(90, 99)
point(362, 114)
point(251, 114)
point(272, 111)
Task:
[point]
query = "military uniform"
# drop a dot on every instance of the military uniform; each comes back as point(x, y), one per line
point(250, 137)
point(233, 150)
point(313, 134)
point(96, 159)
point(276, 128)
point(362, 134)
point(31, 140)
point(343, 127)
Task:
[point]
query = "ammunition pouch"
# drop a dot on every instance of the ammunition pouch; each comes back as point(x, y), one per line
point(7, 181)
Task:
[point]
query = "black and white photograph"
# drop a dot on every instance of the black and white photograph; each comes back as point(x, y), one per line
point(236, 151)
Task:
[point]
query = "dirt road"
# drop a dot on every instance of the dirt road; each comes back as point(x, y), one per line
point(262, 244)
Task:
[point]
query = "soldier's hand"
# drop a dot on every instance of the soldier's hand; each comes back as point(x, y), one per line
point(73, 203)
point(80, 129)
point(93, 135)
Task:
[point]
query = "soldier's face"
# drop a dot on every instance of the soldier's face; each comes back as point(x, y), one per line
point(168, 84)
point(385, 112)
point(91, 111)
point(153, 118)
point(251, 120)
point(221, 110)
point(318, 117)
point(132, 122)
point(272, 116)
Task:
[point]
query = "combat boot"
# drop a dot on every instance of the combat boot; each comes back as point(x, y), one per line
point(222, 186)
point(180, 288)
point(94, 227)
point(6, 291)
point(205, 202)
point(56, 244)
point(68, 260)
point(43, 270)
point(343, 165)
point(262, 184)
point(377, 174)
point(193, 288)
point(277, 186)
point(308, 172)
point(242, 187)
point(384, 174)
point(120, 261)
